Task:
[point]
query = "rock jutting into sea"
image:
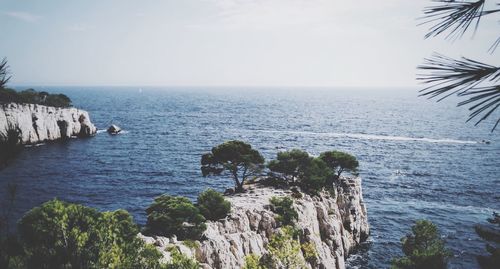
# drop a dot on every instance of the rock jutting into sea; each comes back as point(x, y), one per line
point(37, 123)
point(334, 223)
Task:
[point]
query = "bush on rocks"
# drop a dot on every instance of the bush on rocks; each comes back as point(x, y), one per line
point(212, 205)
point(171, 215)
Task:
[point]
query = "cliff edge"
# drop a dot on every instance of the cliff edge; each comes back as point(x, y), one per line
point(37, 123)
point(335, 223)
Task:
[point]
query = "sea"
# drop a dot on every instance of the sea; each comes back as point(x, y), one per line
point(418, 159)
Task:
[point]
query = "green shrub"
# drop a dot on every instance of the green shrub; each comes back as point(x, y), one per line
point(181, 261)
point(212, 205)
point(309, 252)
point(316, 175)
point(252, 261)
point(170, 215)
point(423, 248)
point(284, 250)
point(283, 207)
point(192, 244)
point(65, 235)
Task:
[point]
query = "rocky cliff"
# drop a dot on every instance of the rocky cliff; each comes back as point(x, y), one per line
point(334, 223)
point(36, 123)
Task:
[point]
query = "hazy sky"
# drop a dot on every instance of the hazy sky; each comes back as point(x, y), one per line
point(224, 42)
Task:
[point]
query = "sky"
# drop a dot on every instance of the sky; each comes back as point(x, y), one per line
point(326, 43)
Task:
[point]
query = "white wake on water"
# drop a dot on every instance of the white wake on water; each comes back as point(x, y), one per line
point(377, 137)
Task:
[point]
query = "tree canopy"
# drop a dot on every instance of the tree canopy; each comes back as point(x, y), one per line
point(64, 235)
point(174, 215)
point(31, 96)
point(423, 248)
point(290, 164)
point(234, 157)
point(340, 161)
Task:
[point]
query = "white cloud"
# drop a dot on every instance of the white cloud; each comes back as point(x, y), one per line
point(23, 16)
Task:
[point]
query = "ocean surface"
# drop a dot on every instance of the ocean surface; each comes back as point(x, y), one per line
point(418, 159)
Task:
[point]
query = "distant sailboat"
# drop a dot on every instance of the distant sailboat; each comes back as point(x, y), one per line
point(140, 90)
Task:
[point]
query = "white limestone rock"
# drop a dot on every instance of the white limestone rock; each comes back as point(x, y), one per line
point(37, 123)
point(336, 225)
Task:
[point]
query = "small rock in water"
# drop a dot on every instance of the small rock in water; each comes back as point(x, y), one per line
point(113, 129)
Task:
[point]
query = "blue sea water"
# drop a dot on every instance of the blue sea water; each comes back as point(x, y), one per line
point(418, 158)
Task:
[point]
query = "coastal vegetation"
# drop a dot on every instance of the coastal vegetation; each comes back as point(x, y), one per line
point(423, 248)
point(296, 167)
point(65, 235)
point(283, 207)
point(289, 165)
point(29, 96)
point(174, 215)
point(212, 205)
point(284, 251)
point(181, 261)
point(340, 161)
point(235, 157)
point(58, 234)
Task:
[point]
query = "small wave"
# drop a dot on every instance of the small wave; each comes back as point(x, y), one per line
point(34, 145)
point(105, 131)
point(378, 137)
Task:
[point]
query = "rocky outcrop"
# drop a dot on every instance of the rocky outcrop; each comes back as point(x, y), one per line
point(36, 123)
point(335, 223)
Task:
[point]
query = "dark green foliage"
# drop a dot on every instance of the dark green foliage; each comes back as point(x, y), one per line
point(212, 205)
point(290, 164)
point(316, 176)
point(423, 248)
point(9, 243)
point(237, 158)
point(31, 96)
point(10, 146)
point(59, 234)
point(4, 73)
point(64, 235)
point(490, 233)
point(340, 161)
point(296, 166)
point(171, 215)
point(283, 207)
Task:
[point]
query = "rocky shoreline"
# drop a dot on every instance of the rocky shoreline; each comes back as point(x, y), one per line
point(335, 223)
point(37, 123)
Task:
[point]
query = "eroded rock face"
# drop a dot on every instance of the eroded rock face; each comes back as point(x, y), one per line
point(37, 123)
point(336, 224)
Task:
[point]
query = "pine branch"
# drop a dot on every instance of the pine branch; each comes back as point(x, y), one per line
point(455, 17)
point(4, 73)
point(478, 81)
